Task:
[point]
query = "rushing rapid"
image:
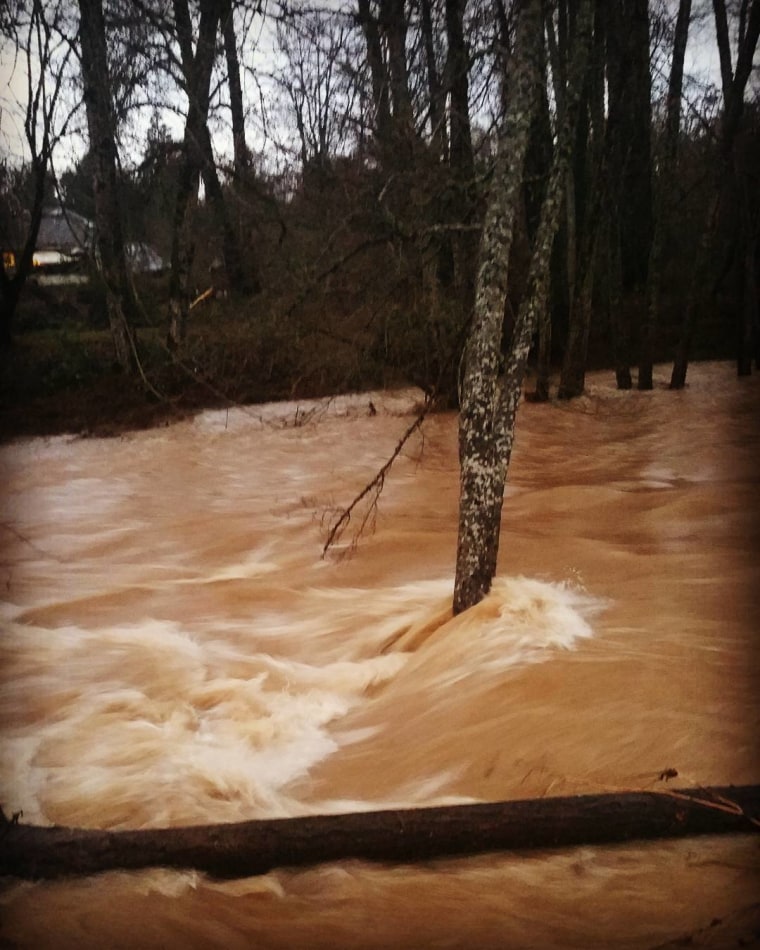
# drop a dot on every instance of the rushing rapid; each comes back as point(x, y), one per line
point(176, 650)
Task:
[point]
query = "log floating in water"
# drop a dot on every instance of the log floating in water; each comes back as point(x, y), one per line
point(255, 847)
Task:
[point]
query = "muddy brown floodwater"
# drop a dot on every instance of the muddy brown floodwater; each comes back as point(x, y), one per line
point(175, 650)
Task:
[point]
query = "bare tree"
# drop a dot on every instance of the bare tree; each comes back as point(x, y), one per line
point(320, 90)
point(588, 205)
point(197, 64)
point(663, 194)
point(101, 125)
point(242, 157)
point(629, 171)
point(727, 178)
point(41, 46)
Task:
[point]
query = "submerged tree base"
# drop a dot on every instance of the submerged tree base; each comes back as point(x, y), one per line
point(256, 847)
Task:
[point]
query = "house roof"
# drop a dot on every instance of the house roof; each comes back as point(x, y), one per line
point(65, 231)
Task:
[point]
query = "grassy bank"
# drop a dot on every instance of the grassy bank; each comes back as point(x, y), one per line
point(59, 375)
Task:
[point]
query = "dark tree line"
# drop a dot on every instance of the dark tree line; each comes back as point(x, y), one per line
point(427, 190)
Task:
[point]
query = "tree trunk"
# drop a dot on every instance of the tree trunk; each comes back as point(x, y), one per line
point(734, 83)
point(617, 305)
point(573, 377)
point(481, 475)
point(10, 291)
point(378, 74)
point(629, 170)
point(535, 299)
point(749, 321)
point(233, 258)
point(110, 254)
point(436, 109)
point(393, 23)
point(663, 194)
point(197, 70)
point(241, 154)
point(11, 288)
point(590, 202)
point(461, 159)
point(257, 847)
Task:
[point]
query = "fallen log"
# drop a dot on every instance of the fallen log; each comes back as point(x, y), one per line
point(408, 835)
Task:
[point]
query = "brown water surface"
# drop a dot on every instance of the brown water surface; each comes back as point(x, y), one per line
point(175, 650)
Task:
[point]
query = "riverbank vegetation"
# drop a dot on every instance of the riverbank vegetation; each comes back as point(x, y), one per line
point(346, 157)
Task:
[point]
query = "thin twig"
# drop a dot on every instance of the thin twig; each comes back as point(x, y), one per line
point(376, 484)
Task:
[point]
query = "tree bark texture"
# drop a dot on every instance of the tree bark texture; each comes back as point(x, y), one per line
point(196, 67)
point(108, 224)
point(240, 148)
point(482, 473)
point(233, 258)
point(749, 320)
point(461, 159)
point(535, 301)
point(590, 205)
point(436, 92)
point(257, 847)
point(663, 193)
point(378, 73)
point(629, 170)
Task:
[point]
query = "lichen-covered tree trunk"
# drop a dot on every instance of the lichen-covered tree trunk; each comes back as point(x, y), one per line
point(489, 403)
point(101, 128)
point(536, 297)
point(480, 470)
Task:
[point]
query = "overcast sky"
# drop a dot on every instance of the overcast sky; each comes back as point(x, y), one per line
point(701, 64)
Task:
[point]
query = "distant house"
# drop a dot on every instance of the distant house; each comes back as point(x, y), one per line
point(65, 244)
point(64, 236)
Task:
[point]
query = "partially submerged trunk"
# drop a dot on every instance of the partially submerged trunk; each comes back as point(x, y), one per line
point(257, 847)
point(489, 403)
point(481, 472)
point(536, 298)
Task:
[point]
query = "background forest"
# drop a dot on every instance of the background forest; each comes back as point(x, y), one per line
point(316, 177)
